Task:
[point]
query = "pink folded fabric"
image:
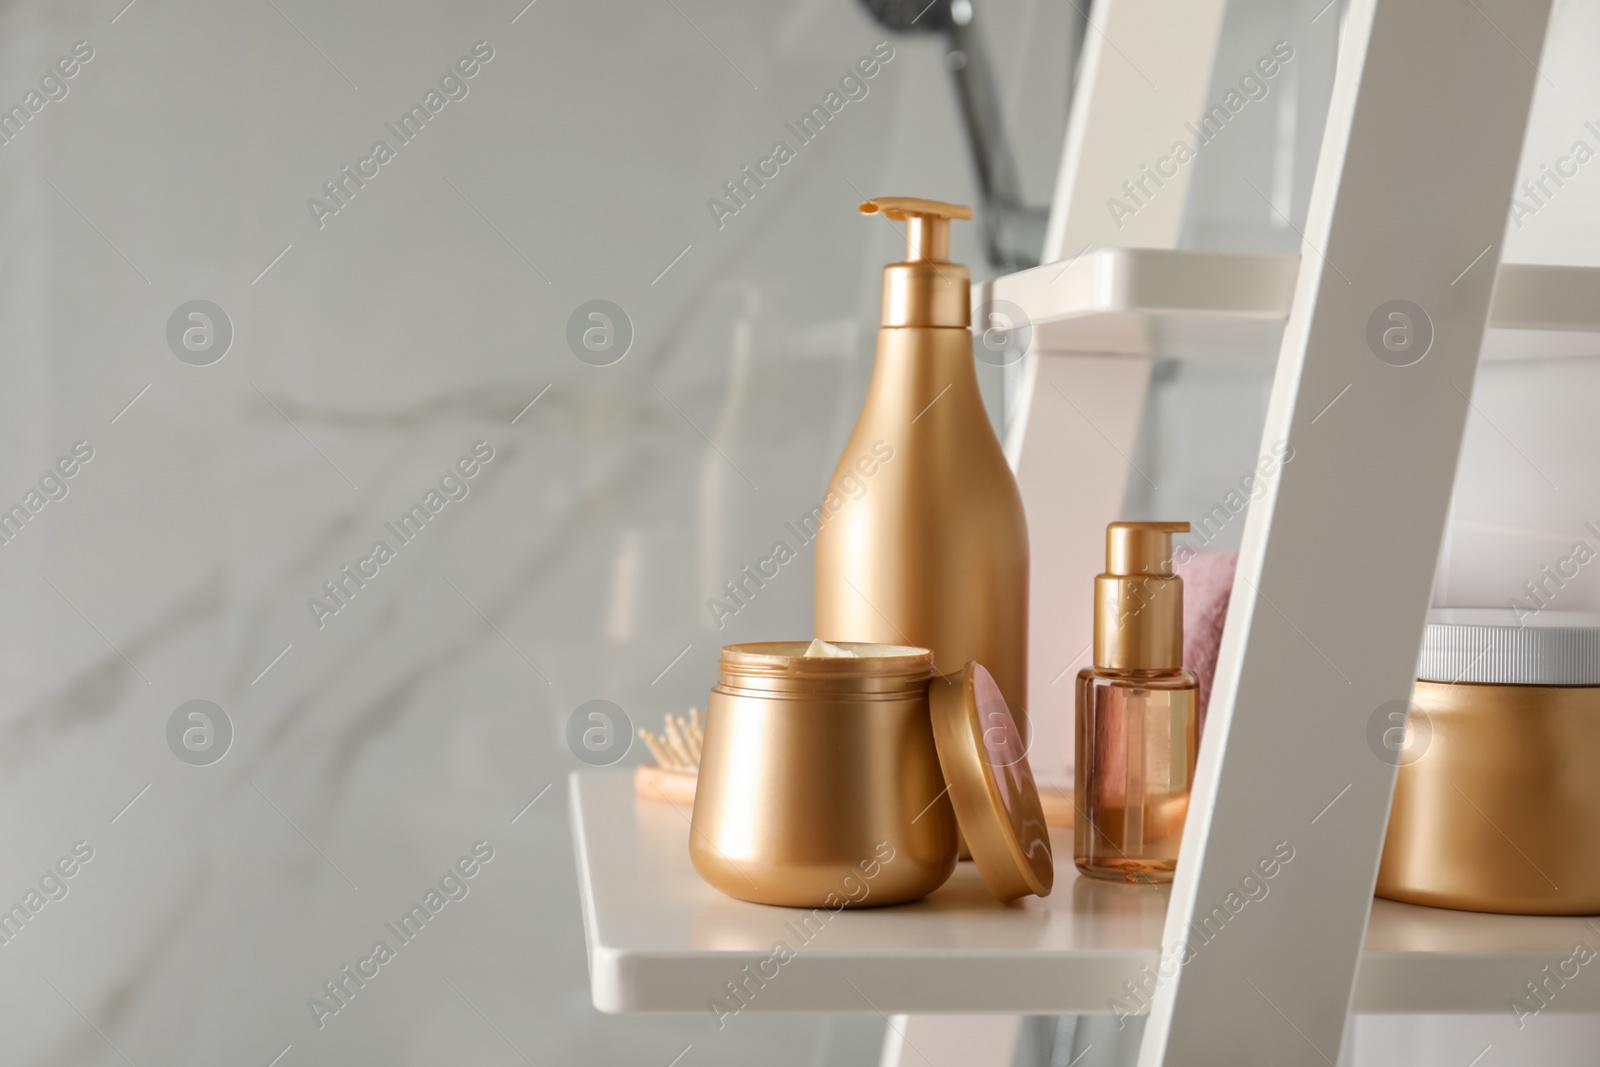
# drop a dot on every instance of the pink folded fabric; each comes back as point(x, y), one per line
point(1207, 583)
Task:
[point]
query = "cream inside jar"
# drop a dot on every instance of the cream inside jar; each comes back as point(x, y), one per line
point(820, 649)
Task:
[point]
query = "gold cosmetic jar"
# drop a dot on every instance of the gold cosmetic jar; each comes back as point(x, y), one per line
point(821, 782)
point(1497, 800)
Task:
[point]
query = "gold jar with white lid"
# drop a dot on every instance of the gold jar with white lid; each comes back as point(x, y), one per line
point(1497, 800)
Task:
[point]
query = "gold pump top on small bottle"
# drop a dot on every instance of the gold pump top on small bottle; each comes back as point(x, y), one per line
point(1138, 602)
point(926, 289)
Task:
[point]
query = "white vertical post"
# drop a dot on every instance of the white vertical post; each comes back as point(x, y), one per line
point(1409, 205)
point(1145, 72)
point(950, 1041)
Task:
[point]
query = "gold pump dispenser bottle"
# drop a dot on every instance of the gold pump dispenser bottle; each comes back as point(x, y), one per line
point(923, 540)
point(1137, 727)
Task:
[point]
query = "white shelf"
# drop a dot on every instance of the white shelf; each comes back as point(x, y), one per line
point(661, 940)
point(1219, 306)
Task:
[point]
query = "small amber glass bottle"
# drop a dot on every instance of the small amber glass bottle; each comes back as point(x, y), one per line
point(1137, 725)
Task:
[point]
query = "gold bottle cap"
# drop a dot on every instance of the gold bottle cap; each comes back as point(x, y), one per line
point(984, 758)
point(1138, 602)
point(926, 289)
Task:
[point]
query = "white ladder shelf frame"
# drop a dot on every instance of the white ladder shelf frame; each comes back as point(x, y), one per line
point(1419, 159)
point(1418, 162)
point(1412, 184)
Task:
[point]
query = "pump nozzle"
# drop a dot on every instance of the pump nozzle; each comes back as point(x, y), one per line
point(926, 289)
point(927, 224)
point(1138, 601)
point(1141, 547)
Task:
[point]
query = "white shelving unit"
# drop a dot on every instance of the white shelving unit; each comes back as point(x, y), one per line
point(1419, 157)
point(661, 940)
point(1179, 304)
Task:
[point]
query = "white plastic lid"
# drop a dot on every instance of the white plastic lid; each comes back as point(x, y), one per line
point(1494, 646)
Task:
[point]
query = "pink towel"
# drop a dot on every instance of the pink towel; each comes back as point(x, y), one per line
point(1207, 583)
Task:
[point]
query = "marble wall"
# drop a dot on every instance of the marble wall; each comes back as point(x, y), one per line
point(379, 337)
point(187, 485)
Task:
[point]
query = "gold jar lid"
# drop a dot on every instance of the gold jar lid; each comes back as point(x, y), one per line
point(774, 667)
point(985, 762)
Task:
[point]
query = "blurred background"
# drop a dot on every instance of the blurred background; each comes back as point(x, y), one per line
point(348, 359)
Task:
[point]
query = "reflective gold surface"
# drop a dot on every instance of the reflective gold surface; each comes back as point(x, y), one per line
point(927, 223)
point(932, 550)
point(927, 294)
point(1138, 601)
point(1137, 723)
point(1137, 739)
point(819, 784)
point(985, 759)
point(926, 289)
point(1500, 810)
